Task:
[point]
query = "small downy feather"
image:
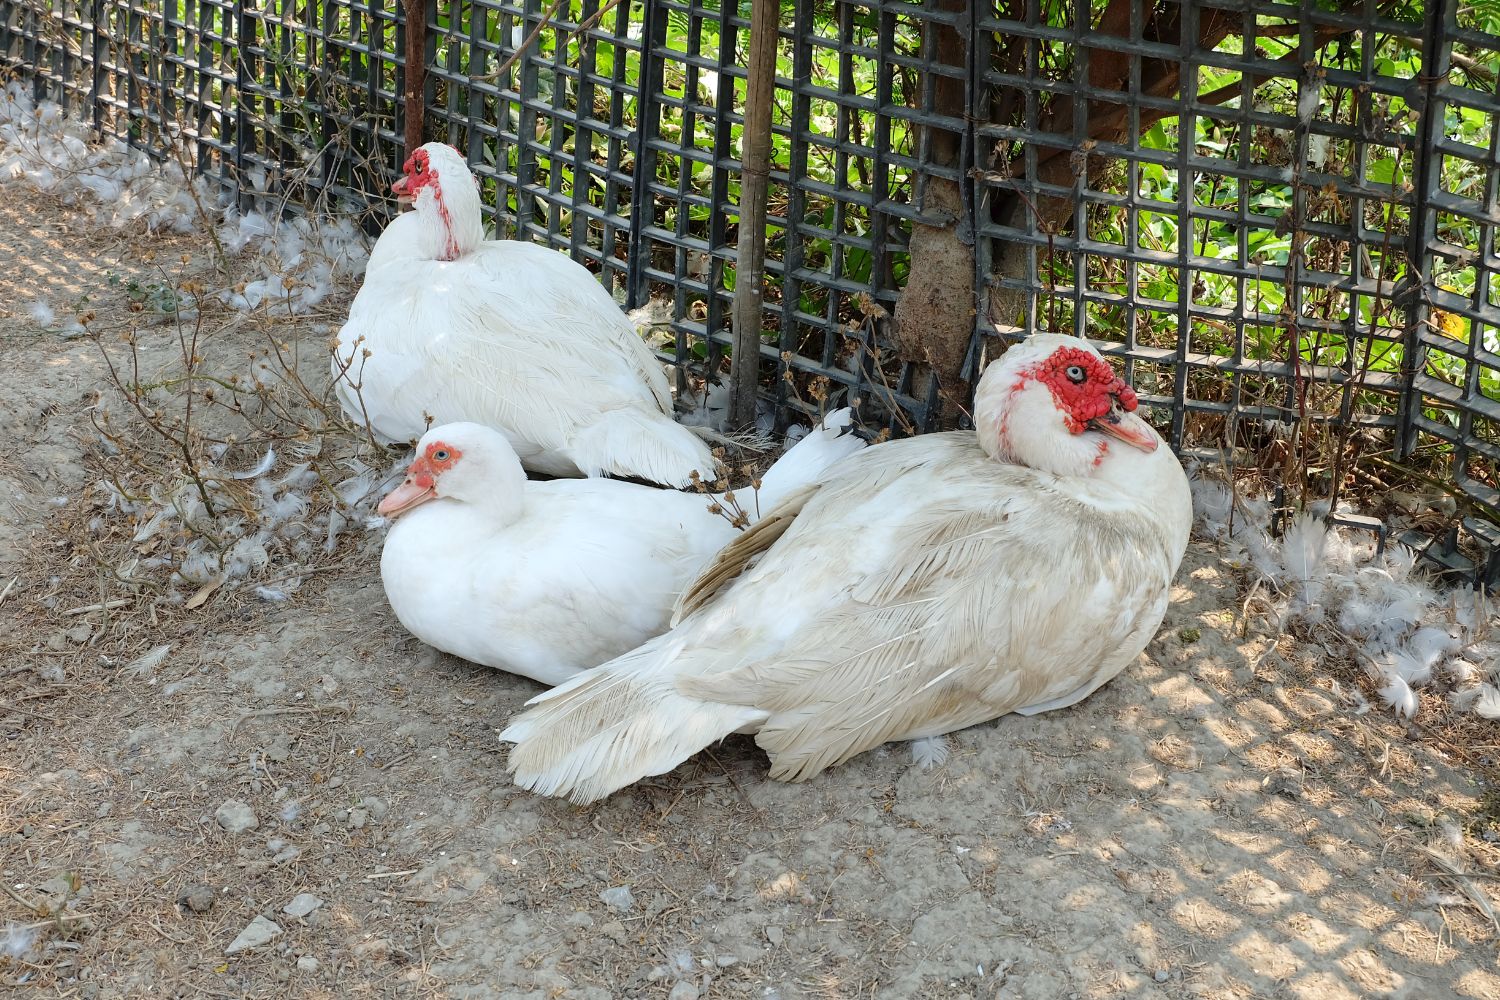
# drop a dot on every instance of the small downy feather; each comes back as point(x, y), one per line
point(1262, 553)
point(1409, 666)
point(1400, 561)
point(1397, 693)
point(930, 752)
point(1302, 550)
point(17, 940)
point(1463, 699)
point(1460, 672)
point(1384, 610)
point(1432, 645)
point(1415, 659)
point(1471, 610)
point(1487, 704)
point(1213, 505)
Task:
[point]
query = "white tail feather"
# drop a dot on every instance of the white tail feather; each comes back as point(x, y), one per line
point(616, 724)
point(807, 460)
point(641, 443)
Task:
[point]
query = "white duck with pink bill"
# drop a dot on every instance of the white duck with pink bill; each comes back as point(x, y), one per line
point(920, 587)
point(545, 579)
point(449, 326)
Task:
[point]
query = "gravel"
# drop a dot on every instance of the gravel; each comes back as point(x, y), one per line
point(258, 932)
point(235, 816)
point(198, 898)
point(302, 904)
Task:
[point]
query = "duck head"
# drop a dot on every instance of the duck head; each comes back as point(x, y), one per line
point(437, 183)
point(466, 463)
point(1054, 404)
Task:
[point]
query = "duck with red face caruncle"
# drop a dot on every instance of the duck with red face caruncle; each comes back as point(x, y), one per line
point(449, 326)
point(547, 579)
point(922, 586)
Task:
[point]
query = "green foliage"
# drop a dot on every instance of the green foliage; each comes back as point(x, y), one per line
point(837, 102)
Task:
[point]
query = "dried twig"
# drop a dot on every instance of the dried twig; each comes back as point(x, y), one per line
point(259, 713)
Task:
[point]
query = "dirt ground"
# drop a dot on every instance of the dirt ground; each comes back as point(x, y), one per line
point(1214, 823)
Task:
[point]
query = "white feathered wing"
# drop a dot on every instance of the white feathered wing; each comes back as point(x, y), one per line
point(517, 337)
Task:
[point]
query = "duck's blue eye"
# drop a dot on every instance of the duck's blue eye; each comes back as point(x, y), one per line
point(1076, 374)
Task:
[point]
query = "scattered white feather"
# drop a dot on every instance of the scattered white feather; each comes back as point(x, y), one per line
point(1460, 672)
point(930, 752)
point(1487, 702)
point(1412, 669)
point(1393, 618)
point(1435, 899)
point(17, 940)
point(1465, 699)
point(1434, 643)
point(1382, 610)
point(1302, 549)
point(267, 461)
point(709, 408)
point(1414, 660)
point(246, 556)
point(1397, 693)
point(1213, 502)
point(42, 312)
point(145, 664)
point(1472, 612)
point(115, 185)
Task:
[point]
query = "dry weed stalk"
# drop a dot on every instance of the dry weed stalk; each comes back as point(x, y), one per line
point(169, 466)
point(724, 503)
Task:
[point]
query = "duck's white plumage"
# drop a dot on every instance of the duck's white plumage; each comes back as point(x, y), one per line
point(922, 586)
point(450, 327)
point(545, 579)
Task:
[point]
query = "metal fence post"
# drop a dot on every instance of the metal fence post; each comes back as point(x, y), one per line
point(648, 124)
point(96, 69)
point(244, 72)
point(755, 178)
point(1423, 225)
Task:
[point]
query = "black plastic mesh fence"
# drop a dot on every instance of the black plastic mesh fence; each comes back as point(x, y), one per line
point(1281, 216)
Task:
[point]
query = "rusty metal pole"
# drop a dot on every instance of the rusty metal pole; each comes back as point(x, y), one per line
point(416, 71)
point(755, 178)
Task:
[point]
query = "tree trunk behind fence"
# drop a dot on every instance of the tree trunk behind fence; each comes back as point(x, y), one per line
point(416, 72)
point(755, 175)
point(935, 315)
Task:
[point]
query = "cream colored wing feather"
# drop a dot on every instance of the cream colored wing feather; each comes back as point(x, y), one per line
point(740, 554)
point(959, 629)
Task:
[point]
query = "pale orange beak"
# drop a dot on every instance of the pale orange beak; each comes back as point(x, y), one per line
point(1122, 425)
point(409, 494)
point(402, 190)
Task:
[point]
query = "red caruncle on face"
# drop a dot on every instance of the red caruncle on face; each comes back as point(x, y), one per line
point(1083, 385)
point(435, 459)
point(417, 173)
